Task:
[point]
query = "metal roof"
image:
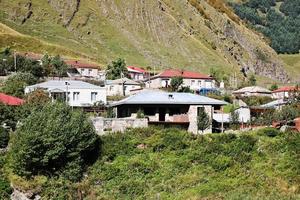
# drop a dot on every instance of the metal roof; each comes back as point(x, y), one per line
point(158, 97)
point(62, 85)
point(252, 89)
point(275, 103)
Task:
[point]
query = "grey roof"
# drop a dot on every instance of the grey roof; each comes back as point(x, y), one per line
point(275, 103)
point(253, 89)
point(61, 85)
point(120, 81)
point(219, 118)
point(157, 97)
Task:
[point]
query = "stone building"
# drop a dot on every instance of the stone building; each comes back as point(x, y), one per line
point(168, 109)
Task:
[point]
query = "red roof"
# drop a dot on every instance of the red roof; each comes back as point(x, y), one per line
point(169, 73)
point(10, 100)
point(285, 89)
point(137, 69)
point(81, 64)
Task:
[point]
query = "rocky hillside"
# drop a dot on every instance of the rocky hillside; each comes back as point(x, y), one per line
point(194, 34)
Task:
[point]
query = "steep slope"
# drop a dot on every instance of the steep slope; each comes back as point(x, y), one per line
point(163, 33)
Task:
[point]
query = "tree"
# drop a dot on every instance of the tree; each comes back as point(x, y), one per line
point(203, 121)
point(274, 87)
point(234, 119)
point(116, 69)
point(53, 141)
point(176, 82)
point(54, 66)
point(4, 137)
point(16, 83)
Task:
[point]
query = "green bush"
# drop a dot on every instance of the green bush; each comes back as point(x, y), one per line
point(53, 141)
point(270, 132)
point(4, 137)
point(5, 189)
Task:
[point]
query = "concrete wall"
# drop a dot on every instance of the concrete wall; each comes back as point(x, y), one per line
point(103, 125)
point(113, 90)
point(85, 97)
point(88, 72)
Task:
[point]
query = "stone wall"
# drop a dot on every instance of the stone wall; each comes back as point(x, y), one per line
point(103, 125)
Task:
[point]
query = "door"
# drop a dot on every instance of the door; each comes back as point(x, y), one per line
point(162, 114)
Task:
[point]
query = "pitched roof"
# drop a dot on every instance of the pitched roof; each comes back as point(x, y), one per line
point(136, 69)
point(60, 85)
point(158, 97)
point(285, 89)
point(81, 64)
point(275, 103)
point(120, 81)
point(252, 89)
point(169, 73)
point(10, 100)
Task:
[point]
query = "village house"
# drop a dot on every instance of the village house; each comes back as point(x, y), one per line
point(79, 93)
point(10, 100)
point(283, 92)
point(168, 109)
point(193, 80)
point(84, 69)
point(137, 74)
point(122, 87)
point(252, 91)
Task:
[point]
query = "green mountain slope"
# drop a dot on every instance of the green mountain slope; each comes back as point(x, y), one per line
point(190, 34)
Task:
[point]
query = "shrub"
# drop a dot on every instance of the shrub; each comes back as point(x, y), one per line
point(53, 141)
point(4, 137)
point(5, 189)
point(270, 132)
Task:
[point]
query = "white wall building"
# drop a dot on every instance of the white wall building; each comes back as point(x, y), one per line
point(284, 92)
point(84, 69)
point(194, 80)
point(79, 93)
point(121, 87)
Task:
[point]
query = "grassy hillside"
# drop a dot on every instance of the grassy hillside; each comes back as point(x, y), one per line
point(292, 65)
point(158, 163)
point(190, 34)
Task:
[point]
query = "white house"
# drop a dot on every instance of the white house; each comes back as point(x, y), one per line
point(137, 73)
point(194, 80)
point(122, 87)
point(284, 92)
point(79, 93)
point(84, 69)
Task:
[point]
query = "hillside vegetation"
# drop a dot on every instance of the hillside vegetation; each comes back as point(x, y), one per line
point(156, 163)
point(278, 20)
point(193, 34)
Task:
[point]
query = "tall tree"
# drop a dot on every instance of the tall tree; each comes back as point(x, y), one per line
point(176, 82)
point(203, 121)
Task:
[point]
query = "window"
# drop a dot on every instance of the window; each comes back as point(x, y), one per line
point(82, 70)
point(192, 82)
point(199, 83)
point(94, 96)
point(90, 71)
point(75, 96)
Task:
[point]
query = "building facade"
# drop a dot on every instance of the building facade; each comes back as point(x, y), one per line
point(193, 80)
point(168, 109)
point(75, 93)
point(122, 87)
point(137, 74)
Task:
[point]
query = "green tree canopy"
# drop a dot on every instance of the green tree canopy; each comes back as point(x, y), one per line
point(16, 83)
point(176, 82)
point(203, 121)
point(116, 69)
point(53, 141)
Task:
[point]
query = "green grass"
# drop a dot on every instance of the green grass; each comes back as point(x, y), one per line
point(292, 65)
point(177, 165)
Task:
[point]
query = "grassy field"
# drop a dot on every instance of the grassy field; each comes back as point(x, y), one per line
point(292, 65)
point(155, 163)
